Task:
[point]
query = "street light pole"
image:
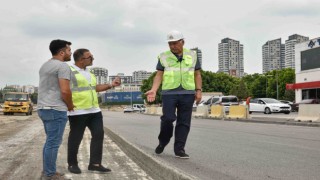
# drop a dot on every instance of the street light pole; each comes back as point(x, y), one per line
point(277, 84)
point(131, 95)
point(267, 84)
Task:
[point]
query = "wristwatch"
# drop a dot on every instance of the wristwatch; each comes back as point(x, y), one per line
point(199, 90)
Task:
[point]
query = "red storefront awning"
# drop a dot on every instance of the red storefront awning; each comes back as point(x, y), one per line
point(305, 85)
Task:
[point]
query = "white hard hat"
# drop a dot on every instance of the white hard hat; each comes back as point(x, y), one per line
point(174, 36)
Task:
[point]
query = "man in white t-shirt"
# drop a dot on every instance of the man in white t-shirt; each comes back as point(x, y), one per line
point(87, 112)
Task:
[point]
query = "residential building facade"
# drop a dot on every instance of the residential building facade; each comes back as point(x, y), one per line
point(101, 74)
point(290, 49)
point(139, 76)
point(28, 89)
point(199, 54)
point(273, 53)
point(124, 79)
point(231, 57)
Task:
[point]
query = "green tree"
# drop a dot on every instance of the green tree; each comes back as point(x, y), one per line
point(258, 88)
point(249, 80)
point(289, 95)
point(147, 85)
point(217, 82)
point(287, 76)
point(280, 78)
point(1, 96)
point(240, 90)
point(34, 98)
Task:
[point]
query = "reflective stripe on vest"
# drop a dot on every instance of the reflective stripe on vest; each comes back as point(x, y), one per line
point(84, 95)
point(178, 73)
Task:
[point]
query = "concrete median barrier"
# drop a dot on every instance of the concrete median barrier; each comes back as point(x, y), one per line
point(217, 111)
point(202, 111)
point(148, 110)
point(237, 112)
point(159, 111)
point(308, 112)
point(151, 110)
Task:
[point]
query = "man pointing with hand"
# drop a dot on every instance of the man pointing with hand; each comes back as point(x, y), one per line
point(86, 113)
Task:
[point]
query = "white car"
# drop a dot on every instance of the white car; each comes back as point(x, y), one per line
point(128, 109)
point(268, 106)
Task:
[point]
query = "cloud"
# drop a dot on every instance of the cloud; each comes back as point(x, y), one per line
point(127, 35)
point(109, 24)
point(294, 9)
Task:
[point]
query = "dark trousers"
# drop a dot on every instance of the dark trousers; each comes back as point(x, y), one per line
point(183, 104)
point(78, 125)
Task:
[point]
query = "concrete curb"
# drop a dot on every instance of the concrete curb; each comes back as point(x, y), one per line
point(284, 122)
point(264, 120)
point(156, 169)
point(271, 121)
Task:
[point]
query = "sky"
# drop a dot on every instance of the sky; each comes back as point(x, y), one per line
point(128, 35)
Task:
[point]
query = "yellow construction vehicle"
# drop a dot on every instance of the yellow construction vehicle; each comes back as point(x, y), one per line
point(17, 102)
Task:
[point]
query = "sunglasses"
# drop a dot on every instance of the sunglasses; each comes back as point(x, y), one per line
point(90, 57)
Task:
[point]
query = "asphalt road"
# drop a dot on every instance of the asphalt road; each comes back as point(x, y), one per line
point(229, 149)
point(292, 115)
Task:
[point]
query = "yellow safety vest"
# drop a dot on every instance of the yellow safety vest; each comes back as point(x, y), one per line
point(84, 95)
point(178, 73)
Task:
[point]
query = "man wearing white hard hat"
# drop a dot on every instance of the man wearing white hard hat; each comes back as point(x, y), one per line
point(178, 70)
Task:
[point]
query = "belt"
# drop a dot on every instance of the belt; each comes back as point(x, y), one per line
point(46, 107)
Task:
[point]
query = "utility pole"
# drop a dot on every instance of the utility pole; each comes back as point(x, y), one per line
point(277, 84)
point(131, 95)
point(267, 83)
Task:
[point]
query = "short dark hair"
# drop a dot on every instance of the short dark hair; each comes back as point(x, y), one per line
point(77, 55)
point(57, 45)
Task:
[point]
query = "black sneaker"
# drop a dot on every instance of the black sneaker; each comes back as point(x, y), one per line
point(74, 169)
point(182, 155)
point(99, 168)
point(159, 149)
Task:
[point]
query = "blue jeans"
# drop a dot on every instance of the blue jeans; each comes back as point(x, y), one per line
point(54, 123)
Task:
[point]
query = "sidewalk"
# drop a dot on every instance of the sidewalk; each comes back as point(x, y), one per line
point(21, 143)
point(113, 157)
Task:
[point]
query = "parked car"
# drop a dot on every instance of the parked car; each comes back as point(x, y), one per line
point(268, 106)
point(295, 106)
point(203, 101)
point(287, 102)
point(226, 101)
point(128, 109)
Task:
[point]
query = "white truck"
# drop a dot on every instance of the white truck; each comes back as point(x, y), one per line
point(139, 107)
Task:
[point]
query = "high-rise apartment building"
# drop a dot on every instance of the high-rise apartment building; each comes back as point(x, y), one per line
point(199, 54)
point(290, 49)
point(231, 57)
point(273, 53)
point(138, 76)
point(101, 74)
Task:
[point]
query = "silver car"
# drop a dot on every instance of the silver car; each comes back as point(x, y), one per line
point(225, 101)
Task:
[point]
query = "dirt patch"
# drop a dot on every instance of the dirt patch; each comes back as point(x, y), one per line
point(21, 143)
